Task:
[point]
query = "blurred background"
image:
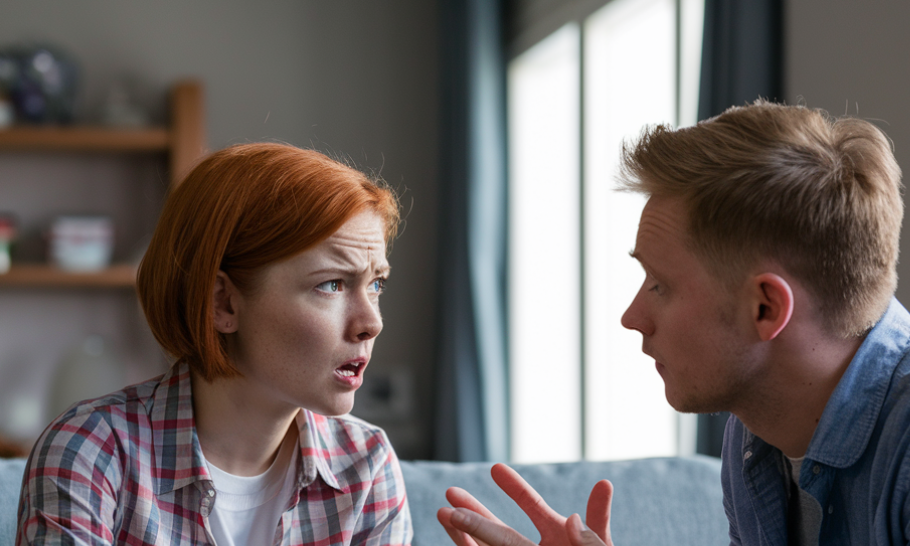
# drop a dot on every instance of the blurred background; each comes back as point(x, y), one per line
point(499, 122)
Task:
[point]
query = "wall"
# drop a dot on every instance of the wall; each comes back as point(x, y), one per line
point(851, 57)
point(355, 79)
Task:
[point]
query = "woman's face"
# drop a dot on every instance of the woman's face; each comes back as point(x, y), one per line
point(304, 337)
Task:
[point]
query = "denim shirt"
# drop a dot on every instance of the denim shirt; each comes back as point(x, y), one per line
point(858, 462)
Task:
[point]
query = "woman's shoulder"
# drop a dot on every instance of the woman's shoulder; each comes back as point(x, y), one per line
point(127, 401)
point(98, 427)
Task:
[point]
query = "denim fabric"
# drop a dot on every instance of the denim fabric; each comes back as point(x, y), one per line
point(857, 465)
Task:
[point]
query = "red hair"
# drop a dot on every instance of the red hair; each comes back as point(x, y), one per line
point(239, 210)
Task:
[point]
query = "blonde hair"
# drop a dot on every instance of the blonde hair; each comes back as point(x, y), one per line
point(818, 195)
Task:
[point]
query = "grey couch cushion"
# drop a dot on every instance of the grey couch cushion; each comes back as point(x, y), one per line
point(656, 501)
point(11, 471)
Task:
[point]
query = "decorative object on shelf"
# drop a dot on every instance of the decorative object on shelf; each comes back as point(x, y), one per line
point(8, 72)
point(41, 82)
point(7, 235)
point(81, 243)
point(121, 109)
point(7, 115)
point(88, 370)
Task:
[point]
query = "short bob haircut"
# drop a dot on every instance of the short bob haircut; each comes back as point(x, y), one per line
point(818, 195)
point(237, 211)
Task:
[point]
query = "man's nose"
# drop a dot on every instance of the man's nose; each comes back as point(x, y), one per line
point(636, 317)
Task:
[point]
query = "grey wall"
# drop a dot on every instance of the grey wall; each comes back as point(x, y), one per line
point(354, 78)
point(851, 57)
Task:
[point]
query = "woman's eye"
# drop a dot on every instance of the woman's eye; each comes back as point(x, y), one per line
point(378, 286)
point(655, 289)
point(330, 286)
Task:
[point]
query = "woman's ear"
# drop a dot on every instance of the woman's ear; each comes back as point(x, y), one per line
point(224, 304)
point(772, 306)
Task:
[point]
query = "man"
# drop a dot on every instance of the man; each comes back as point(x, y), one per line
point(769, 243)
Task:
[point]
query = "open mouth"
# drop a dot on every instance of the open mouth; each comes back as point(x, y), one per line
point(350, 369)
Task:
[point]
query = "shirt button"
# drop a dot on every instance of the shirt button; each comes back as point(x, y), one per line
point(831, 509)
point(746, 455)
point(816, 469)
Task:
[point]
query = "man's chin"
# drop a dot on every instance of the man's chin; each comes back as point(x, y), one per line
point(684, 404)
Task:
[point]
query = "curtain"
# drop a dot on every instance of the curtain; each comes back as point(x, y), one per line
point(471, 373)
point(742, 60)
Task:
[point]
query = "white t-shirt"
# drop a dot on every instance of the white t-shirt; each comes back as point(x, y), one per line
point(806, 512)
point(247, 509)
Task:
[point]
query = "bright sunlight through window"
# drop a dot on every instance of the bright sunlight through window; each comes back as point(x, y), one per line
point(580, 386)
point(544, 255)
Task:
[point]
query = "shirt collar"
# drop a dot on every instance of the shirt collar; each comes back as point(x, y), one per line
point(317, 444)
point(860, 393)
point(178, 456)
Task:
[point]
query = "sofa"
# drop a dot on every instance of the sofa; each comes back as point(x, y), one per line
point(676, 500)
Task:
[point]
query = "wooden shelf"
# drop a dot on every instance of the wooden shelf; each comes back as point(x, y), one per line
point(45, 276)
point(98, 139)
point(183, 142)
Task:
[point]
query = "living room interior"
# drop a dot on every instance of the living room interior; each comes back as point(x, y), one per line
point(366, 82)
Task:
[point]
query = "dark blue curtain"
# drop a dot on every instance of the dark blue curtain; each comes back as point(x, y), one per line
point(741, 62)
point(471, 405)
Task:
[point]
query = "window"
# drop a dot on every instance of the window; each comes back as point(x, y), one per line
point(576, 374)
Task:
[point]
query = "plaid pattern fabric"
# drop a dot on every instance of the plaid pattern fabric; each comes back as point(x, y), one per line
point(127, 469)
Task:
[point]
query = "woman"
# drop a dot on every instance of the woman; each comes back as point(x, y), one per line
point(262, 280)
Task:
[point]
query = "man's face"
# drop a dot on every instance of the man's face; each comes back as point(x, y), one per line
point(695, 330)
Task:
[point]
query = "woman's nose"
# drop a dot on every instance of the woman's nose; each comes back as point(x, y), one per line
point(365, 320)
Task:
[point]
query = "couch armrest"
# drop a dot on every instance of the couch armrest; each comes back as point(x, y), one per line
point(675, 500)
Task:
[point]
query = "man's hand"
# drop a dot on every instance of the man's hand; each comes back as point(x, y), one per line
point(469, 523)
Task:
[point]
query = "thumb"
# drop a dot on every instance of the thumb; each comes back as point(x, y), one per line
point(579, 535)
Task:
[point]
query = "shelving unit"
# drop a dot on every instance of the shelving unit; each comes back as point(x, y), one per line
point(183, 141)
point(115, 276)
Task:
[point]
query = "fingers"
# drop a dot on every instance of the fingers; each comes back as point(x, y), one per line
point(579, 535)
point(491, 532)
point(459, 498)
point(549, 523)
point(460, 538)
point(598, 513)
point(524, 495)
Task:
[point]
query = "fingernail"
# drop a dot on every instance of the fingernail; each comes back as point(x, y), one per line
point(578, 523)
point(458, 516)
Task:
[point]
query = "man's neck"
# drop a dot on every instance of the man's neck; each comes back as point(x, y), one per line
point(786, 409)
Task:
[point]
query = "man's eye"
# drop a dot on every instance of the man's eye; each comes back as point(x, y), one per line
point(655, 289)
point(378, 285)
point(330, 286)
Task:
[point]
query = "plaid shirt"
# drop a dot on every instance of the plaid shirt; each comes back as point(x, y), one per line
point(127, 469)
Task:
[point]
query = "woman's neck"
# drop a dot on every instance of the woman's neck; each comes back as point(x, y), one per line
point(237, 434)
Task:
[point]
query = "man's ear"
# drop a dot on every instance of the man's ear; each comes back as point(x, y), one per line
point(772, 306)
point(224, 304)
